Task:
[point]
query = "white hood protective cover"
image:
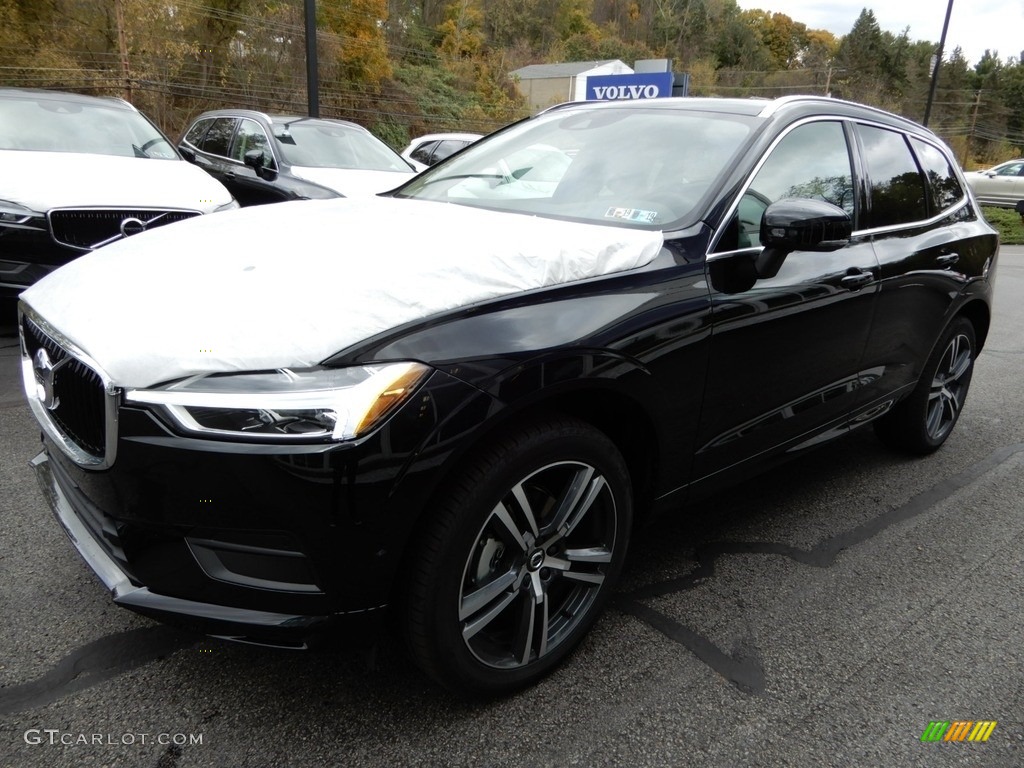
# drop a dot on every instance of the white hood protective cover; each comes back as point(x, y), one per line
point(290, 284)
point(352, 182)
point(44, 180)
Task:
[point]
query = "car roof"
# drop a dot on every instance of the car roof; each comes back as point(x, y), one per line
point(37, 94)
point(276, 119)
point(784, 107)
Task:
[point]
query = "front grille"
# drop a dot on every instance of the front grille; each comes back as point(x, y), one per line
point(87, 228)
point(78, 391)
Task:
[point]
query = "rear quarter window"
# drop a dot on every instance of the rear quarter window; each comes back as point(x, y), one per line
point(218, 138)
point(944, 191)
point(195, 133)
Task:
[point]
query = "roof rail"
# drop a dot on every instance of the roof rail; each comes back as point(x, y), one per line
point(782, 101)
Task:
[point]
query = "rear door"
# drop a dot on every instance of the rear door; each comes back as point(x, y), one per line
point(929, 243)
point(213, 152)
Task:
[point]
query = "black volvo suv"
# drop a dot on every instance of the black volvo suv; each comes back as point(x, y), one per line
point(455, 401)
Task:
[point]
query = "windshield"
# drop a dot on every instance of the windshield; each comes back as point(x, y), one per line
point(54, 125)
point(638, 167)
point(334, 145)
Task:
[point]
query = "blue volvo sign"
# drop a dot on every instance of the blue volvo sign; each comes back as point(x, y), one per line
point(646, 85)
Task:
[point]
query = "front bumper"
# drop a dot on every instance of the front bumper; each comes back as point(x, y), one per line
point(226, 622)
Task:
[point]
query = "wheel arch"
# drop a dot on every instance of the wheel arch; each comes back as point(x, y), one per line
point(980, 316)
point(624, 420)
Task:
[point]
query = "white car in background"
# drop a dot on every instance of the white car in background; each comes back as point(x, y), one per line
point(432, 148)
point(79, 172)
point(1002, 185)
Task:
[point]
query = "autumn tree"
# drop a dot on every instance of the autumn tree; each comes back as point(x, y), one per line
point(356, 45)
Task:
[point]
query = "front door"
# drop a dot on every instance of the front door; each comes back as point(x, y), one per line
point(786, 353)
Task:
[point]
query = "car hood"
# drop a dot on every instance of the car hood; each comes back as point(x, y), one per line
point(289, 285)
point(44, 180)
point(354, 183)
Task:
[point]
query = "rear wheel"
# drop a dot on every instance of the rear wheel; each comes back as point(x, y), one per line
point(522, 555)
point(922, 423)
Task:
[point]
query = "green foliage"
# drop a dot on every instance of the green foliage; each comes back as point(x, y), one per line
point(1008, 222)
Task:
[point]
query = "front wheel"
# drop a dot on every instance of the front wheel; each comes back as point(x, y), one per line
point(921, 423)
point(521, 556)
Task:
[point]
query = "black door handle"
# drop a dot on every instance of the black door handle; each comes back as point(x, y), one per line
point(948, 259)
point(856, 281)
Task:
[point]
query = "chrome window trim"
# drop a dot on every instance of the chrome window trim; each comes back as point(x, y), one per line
point(269, 145)
point(112, 394)
point(239, 117)
point(712, 255)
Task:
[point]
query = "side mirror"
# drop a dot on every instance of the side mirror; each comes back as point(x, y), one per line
point(800, 224)
point(792, 224)
point(187, 153)
point(255, 159)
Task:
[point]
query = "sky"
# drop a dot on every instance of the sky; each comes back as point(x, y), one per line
point(974, 24)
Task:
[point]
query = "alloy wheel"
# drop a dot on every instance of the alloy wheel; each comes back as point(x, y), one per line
point(537, 564)
point(949, 387)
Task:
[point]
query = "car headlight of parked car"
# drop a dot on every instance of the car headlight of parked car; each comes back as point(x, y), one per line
point(287, 405)
point(18, 216)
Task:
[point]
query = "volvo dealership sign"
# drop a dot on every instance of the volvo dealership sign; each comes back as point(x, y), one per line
point(645, 85)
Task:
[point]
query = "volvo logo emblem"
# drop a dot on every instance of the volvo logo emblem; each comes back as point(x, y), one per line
point(535, 560)
point(46, 373)
point(132, 226)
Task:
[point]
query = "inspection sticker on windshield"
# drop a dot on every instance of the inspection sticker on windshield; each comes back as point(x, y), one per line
point(631, 214)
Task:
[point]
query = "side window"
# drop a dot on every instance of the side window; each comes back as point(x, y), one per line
point(218, 138)
point(939, 175)
point(811, 161)
point(1013, 169)
point(422, 152)
point(446, 148)
point(195, 133)
point(250, 135)
point(897, 188)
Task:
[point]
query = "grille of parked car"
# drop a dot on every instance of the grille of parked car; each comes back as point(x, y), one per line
point(77, 400)
point(88, 228)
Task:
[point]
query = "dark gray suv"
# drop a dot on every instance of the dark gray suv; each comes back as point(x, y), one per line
point(272, 158)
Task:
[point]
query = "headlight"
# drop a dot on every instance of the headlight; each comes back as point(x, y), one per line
point(20, 217)
point(336, 403)
point(227, 206)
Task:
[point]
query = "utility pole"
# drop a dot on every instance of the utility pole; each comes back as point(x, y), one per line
point(312, 66)
point(938, 63)
point(122, 48)
point(974, 122)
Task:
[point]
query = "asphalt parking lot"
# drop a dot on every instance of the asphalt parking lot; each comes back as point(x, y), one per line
point(824, 614)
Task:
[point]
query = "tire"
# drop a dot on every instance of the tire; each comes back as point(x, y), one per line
point(922, 423)
point(522, 554)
